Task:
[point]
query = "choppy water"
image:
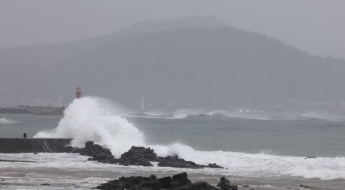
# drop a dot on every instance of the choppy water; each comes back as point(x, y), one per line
point(247, 147)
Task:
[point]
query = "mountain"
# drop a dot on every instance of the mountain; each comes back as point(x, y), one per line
point(194, 62)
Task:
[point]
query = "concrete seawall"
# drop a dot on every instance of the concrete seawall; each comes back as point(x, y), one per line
point(24, 145)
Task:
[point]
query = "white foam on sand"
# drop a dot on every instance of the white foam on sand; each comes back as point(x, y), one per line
point(255, 165)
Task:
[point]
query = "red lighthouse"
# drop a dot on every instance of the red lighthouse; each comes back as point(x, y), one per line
point(78, 93)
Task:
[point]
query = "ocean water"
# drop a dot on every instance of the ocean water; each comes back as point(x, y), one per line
point(254, 147)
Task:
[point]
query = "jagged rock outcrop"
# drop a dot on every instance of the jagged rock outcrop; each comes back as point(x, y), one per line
point(214, 165)
point(95, 151)
point(175, 162)
point(177, 182)
point(138, 156)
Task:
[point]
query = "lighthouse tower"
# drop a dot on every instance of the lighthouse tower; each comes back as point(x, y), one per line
point(78, 93)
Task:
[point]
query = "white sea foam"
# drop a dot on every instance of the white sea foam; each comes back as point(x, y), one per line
point(6, 121)
point(258, 115)
point(156, 113)
point(93, 119)
point(323, 116)
point(260, 164)
point(184, 113)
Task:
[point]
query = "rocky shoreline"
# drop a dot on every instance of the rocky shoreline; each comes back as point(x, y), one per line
point(176, 182)
point(137, 156)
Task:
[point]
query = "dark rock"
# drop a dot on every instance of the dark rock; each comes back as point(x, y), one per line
point(165, 182)
point(45, 184)
point(197, 186)
point(214, 165)
point(139, 156)
point(308, 157)
point(68, 149)
point(176, 162)
point(89, 144)
point(97, 152)
point(304, 186)
point(177, 182)
point(132, 183)
point(146, 153)
point(181, 178)
point(224, 184)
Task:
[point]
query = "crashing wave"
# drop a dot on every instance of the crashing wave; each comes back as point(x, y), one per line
point(94, 119)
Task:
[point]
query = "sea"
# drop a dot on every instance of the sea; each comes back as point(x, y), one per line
point(247, 146)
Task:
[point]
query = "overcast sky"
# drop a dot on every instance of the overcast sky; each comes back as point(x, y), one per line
point(315, 26)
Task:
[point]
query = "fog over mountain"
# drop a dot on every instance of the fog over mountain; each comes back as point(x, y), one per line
point(193, 62)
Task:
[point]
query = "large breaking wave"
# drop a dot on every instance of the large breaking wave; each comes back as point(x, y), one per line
point(93, 119)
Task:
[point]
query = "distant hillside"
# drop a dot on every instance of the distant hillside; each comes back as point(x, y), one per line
point(197, 62)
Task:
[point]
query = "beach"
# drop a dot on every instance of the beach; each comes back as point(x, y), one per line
point(72, 171)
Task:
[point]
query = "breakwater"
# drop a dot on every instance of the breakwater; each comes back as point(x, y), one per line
point(32, 145)
point(35, 110)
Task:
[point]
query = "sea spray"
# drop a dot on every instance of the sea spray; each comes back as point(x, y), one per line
point(95, 119)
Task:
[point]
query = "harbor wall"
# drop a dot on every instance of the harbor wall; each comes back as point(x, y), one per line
point(32, 145)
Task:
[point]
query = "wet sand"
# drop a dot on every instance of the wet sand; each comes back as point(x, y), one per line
point(30, 178)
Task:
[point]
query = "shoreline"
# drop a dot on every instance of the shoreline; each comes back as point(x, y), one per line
point(86, 179)
point(88, 174)
point(71, 170)
point(78, 171)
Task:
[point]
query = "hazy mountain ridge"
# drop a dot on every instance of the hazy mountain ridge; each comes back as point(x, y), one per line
point(66, 49)
point(218, 67)
point(265, 68)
